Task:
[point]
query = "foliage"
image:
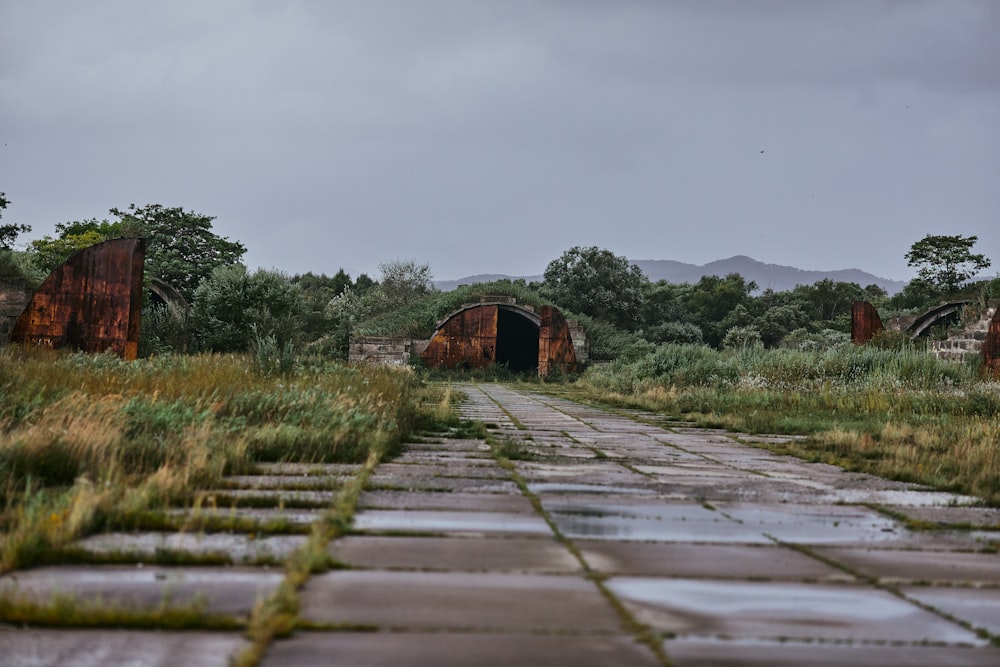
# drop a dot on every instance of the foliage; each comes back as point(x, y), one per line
point(49, 253)
point(9, 232)
point(418, 318)
point(234, 306)
point(181, 247)
point(741, 338)
point(92, 441)
point(403, 282)
point(946, 262)
point(592, 281)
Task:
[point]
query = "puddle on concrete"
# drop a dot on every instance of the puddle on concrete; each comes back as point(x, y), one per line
point(450, 522)
point(657, 530)
point(711, 651)
point(978, 606)
point(641, 508)
point(772, 610)
point(817, 524)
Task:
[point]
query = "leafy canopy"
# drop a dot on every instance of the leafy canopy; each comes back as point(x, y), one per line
point(9, 232)
point(946, 262)
point(181, 247)
point(593, 281)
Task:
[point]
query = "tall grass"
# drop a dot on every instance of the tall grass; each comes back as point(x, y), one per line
point(899, 413)
point(115, 437)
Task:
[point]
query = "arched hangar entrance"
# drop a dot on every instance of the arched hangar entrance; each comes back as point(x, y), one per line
point(503, 332)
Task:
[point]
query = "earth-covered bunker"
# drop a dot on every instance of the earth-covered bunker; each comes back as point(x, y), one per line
point(502, 332)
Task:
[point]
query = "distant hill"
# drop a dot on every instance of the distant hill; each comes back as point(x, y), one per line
point(774, 276)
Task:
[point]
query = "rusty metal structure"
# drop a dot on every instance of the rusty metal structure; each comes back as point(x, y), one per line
point(92, 302)
point(501, 331)
point(865, 322)
point(991, 348)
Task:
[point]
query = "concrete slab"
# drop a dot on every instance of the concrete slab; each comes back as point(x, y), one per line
point(541, 555)
point(651, 508)
point(316, 649)
point(471, 502)
point(309, 469)
point(456, 650)
point(225, 498)
point(577, 487)
point(759, 610)
point(458, 600)
point(980, 517)
point(719, 561)
point(698, 652)
point(222, 590)
point(447, 484)
point(816, 524)
point(892, 566)
point(263, 516)
point(287, 482)
point(430, 521)
point(238, 547)
point(977, 606)
point(651, 529)
point(434, 470)
point(26, 647)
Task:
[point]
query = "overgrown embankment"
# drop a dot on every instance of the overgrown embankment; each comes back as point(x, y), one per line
point(89, 441)
point(901, 414)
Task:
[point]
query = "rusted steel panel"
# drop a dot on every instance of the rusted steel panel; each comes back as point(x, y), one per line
point(865, 322)
point(555, 345)
point(991, 348)
point(468, 339)
point(91, 303)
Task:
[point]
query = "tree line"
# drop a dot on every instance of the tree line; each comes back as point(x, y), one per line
point(232, 308)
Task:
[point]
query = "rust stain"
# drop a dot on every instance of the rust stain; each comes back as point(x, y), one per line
point(991, 348)
point(555, 346)
point(467, 340)
point(471, 337)
point(90, 303)
point(865, 322)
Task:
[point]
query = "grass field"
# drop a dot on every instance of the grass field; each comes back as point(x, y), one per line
point(93, 443)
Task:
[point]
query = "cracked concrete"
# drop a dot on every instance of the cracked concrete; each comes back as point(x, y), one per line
point(615, 539)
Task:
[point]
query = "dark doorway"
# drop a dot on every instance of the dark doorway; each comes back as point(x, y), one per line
point(517, 342)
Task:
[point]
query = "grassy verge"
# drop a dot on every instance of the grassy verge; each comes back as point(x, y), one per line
point(901, 414)
point(91, 442)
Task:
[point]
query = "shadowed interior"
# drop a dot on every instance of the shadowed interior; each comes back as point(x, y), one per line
point(517, 342)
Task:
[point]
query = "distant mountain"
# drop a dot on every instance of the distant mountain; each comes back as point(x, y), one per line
point(449, 285)
point(774, 276)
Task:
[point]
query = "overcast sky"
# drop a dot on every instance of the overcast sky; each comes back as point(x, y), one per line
point(490, 136)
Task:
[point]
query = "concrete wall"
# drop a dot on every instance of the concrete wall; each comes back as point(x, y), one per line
point(387, 351)
point(963, 343)
point(14, 297)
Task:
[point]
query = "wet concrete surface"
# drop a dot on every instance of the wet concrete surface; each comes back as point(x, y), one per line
point(620, 539)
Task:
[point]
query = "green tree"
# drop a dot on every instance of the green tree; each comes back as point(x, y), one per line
point(49, 252)
point(181, 247)
point(717, 304)
point(946, 262)
point(593, 281)
point(9, 232)
point(403, 282)
point(233, 307)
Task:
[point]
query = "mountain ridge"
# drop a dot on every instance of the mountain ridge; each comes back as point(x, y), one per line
point(777, 277)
